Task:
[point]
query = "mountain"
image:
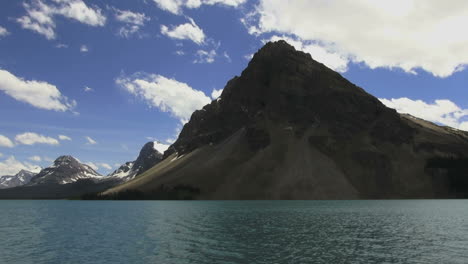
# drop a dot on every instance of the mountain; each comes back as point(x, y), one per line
point(66, 178)
point(148, 157)
point(291, 128)
point(21, 178)
point(65, 170)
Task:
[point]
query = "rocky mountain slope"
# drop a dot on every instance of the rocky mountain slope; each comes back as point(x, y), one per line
point(21, 178)
point(291, 128)
point(65, 170)
point(148, 157)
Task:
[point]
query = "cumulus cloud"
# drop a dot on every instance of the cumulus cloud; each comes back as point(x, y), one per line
point(36, 93)
point(6, 142)
point(35, 158)
point(216, 93)
point(90, 141)
point(187, 31)
point(332, 60)
point(176, 6)
point(97, 165)
point(84, 48)
point(3, 32)
point(88, 89)
point(11, 166)
point(168, 95)
point(392, 34)
point(203, 56)
point(63, 137)
point(133, 21)
point(40, 15)
point(30, 138)
point(441, 111)
point(105, 166)
point(92, 165)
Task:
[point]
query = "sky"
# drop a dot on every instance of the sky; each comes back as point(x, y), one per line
point(98, 79)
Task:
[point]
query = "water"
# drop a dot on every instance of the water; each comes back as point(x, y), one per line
point(420, 231)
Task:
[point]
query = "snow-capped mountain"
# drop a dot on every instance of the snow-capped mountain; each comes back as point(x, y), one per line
point(65, 169)
point(21, 178)
point(150, 155)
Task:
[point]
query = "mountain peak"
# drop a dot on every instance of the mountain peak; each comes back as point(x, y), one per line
point(148, 157)
point(65, 159)
point(66, 169)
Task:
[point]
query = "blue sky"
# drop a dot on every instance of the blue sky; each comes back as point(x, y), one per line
point(98, 79)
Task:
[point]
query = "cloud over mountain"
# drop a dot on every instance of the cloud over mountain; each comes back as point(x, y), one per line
point(389, 34)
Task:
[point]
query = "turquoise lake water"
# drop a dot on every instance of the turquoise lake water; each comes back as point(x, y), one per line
point(413, 231)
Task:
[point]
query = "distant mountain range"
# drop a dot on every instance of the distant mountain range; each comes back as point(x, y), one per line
point(68, 176)
point(21, 178)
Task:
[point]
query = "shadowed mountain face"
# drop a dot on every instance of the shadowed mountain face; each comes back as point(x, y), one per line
point(147, 158)
point(290, 128)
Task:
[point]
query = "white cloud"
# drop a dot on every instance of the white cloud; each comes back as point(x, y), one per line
point(88, 89)
point(226, 55)
point(84, 48)
point(105, 166)
point(93, 166)
point(203, 56)
point(187, 31)
point(133, 22)
point(61, 46)
point(30, 138)
point(40, 15)
point(3, 32)
point(248, 56)
point(176, 6)
point(216, 93)
point(96, 165)
point(319, 53)
point(35, 158)
point(36, 93)
point(168, 95)
point(463, 126)
point(63, 137)
point(406, 34)
point(11, 166)
point(6, 142)
point(180, 52)
point(127, 16)
point(442, 111)
point(90, 141)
